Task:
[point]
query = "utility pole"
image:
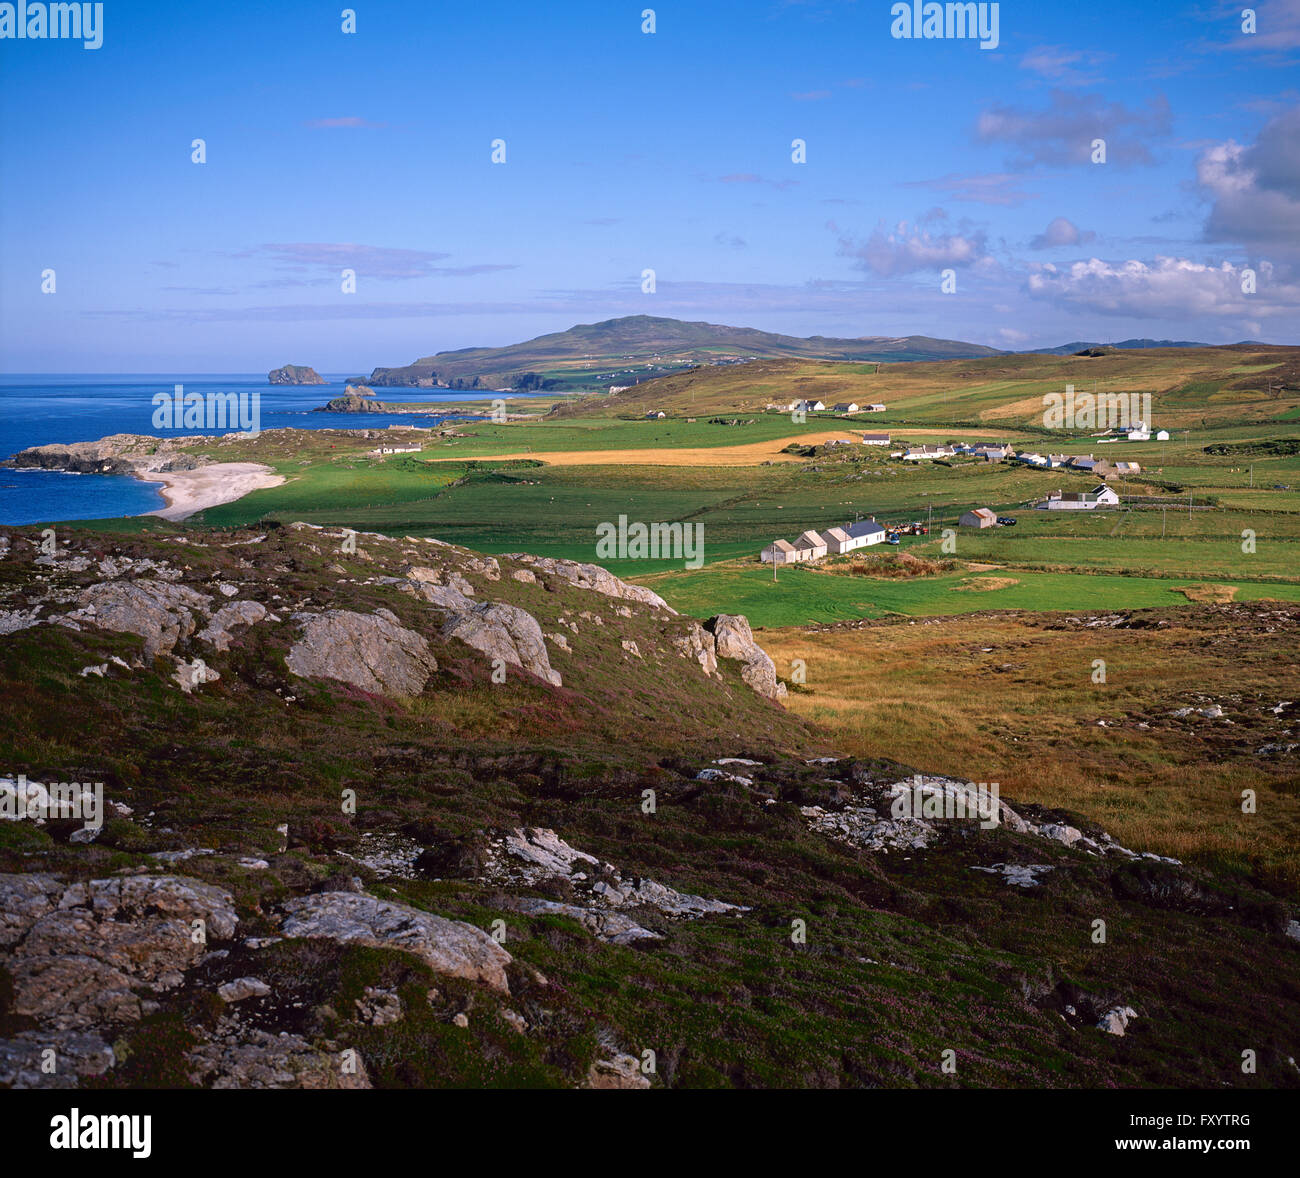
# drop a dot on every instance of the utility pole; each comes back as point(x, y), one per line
point(1164, 519)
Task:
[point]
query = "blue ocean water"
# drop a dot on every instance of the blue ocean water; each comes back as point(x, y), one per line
point(36, 410)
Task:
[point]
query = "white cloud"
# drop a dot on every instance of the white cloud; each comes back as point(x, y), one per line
point(1061, 231)
point(1167, 288)
point(907, 248)
point(1256, 187)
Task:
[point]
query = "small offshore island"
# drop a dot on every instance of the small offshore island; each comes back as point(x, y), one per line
point(295, 374)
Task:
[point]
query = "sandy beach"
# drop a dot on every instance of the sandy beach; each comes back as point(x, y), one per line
point(188, 491)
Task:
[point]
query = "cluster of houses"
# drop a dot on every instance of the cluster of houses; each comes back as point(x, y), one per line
point(1083, 463)
point(833, 541)
point(822, 407)
point(1140, 433)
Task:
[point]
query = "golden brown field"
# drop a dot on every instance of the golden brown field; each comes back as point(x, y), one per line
point(746, 454)
point(1011, 699)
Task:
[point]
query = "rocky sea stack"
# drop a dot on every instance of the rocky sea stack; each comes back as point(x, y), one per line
point(295, 374)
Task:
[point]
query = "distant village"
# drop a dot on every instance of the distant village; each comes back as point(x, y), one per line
point(812, 545)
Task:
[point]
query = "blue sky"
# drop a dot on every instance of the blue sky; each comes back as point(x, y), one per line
point(627, 151)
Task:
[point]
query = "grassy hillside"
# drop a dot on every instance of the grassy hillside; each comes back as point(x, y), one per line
point(1191, 388)
point(906, 955)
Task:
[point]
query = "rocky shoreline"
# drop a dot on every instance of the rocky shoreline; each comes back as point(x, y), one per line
point(189, 482)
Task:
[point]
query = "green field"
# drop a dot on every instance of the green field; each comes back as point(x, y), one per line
point(526, 505)
point(804, 595)
point(552, 500)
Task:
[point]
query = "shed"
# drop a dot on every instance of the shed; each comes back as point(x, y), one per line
point(780, 552)
point(979, 517)
point(812, 545)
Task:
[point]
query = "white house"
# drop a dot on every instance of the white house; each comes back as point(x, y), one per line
point(812, 545)
point(875, 408)
point(839, 541)
point(809, 406)
point(1030, 459)
point(918, 453)
point(780, 551)
point(848, 537)
point(875, 439)
point(1162, 435)
point(847, 407)
point(1099, 496)
point(396, 450)
point(867, 531)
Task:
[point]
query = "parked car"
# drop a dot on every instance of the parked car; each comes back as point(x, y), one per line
point(1007, 521)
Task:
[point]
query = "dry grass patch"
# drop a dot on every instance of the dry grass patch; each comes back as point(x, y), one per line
point(984, 584)
point(1012, 700)
point(1214, 594)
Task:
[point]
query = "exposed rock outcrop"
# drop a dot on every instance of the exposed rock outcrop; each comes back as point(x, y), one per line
point(243, 1057)
point(623, 1071)
point(535, 856)
point(504, 632)
point(593, 577)
point(237, 613)
point(25, 1059)
point(160, 613)
point(1115, 1021)
point(698, 645)
point(734, 640)
point(913, 814)
point(370, 651)
point(88, 953)
point(446, 946)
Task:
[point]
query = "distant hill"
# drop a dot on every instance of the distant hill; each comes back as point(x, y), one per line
point(637, 347)
point(1124, 345)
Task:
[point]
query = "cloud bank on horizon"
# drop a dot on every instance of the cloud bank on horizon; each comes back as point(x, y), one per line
point(219, 188)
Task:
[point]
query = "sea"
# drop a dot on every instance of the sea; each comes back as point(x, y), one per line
point(37, 410)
